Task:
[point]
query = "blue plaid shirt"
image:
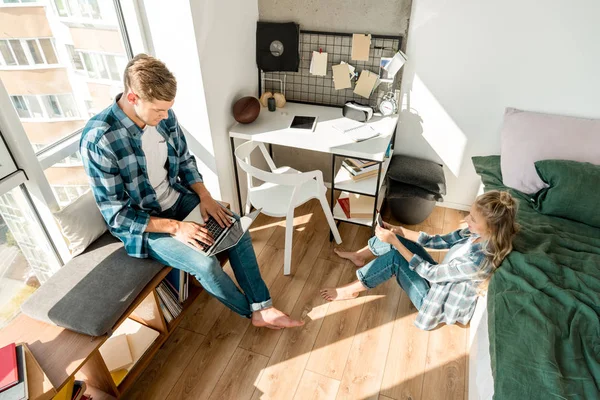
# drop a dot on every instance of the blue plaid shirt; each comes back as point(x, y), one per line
point(111, 149)
point(453, 293)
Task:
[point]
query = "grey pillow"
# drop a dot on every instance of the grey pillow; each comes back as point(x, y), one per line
point(92, 291)
point(425, 174)
point(528, 137)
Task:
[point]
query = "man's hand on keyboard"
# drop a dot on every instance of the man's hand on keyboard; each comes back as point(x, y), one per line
point(194, 234)
point(208, 206)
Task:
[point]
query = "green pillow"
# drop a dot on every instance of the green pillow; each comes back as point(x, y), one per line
point(574, 191)
point(488, 167)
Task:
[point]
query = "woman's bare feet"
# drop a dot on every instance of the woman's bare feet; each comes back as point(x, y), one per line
point(353, 256)
point(335, 294)
point(274, 319)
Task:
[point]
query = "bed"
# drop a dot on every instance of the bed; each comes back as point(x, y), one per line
point(536, 335)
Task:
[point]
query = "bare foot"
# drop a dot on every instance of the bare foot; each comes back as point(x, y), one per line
point(335, 294)
point(352, 256)
point(272, 318)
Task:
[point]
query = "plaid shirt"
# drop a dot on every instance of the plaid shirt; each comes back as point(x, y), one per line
point(111, 149)
point(453, 293)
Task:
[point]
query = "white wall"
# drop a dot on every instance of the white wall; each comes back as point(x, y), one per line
point(225, 38)
point(210, 48)
point(470, 59)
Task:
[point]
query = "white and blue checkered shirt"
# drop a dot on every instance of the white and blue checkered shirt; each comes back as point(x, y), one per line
point(453, 293)
point(111, 149)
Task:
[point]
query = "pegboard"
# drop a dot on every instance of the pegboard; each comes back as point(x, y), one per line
point(303, 87)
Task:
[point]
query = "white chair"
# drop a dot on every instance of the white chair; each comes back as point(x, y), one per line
point(283, 190)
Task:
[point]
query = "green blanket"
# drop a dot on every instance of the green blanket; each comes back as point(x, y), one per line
point(544, 305)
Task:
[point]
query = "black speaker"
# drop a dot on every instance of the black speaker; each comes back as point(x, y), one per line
point(277, 46)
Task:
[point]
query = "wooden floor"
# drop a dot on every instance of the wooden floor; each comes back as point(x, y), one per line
point(367, 348)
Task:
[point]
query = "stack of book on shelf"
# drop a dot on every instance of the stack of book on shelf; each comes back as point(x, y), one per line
point(360, 169)
point(13, 373)
point(123, 349)
point(73, 390)
point(356, 205)
point(172, 292)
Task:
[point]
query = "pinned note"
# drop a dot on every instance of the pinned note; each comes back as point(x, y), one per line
point(366, 83)
point(350, 68)
point(318, 64)
point(341, 76)
point(361, 44)
point(394, 65)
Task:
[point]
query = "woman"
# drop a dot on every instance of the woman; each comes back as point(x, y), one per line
point(445, 292)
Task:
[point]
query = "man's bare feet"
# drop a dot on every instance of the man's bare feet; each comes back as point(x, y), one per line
point(272, 318)
point(335, 294)
point(353, 256)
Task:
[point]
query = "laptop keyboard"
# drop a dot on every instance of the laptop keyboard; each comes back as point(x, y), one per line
point(214, 228)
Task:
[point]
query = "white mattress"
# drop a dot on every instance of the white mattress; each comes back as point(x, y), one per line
point(481, 383)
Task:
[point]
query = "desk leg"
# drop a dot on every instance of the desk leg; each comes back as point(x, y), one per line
point(237, 179)
point(376, 196)
point(332, 191)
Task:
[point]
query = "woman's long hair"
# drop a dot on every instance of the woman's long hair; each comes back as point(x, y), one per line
point(499, 209)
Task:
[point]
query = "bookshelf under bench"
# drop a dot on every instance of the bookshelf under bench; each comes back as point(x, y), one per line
point(65, 355)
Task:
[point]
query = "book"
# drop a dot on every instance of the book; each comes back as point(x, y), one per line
point(361, 206)
point(359, 171)
point(79, 387)
point(67, 390)
point(165, 310)
point(9, 374)
point(364, 176)
point(360, 163)
point(19, 391)
point(345, 205)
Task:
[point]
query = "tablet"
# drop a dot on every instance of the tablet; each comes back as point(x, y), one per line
point(379, 220)
point(304, 123)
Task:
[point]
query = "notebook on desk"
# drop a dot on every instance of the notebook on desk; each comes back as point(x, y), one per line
point(355, 130)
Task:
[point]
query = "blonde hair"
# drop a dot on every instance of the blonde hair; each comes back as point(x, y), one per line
point(149, 78)
point(499, 209)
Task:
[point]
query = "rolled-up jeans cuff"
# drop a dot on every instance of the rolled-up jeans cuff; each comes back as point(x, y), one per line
point(361, 279)
point(261, 306)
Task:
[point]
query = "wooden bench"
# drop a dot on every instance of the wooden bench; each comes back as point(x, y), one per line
point(63, 354)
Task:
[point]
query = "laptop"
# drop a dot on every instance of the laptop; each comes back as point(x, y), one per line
point(225, 238)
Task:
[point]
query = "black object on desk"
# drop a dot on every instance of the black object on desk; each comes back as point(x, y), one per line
point(271, 105)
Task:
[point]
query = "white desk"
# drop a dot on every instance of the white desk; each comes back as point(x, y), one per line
point(273, 128)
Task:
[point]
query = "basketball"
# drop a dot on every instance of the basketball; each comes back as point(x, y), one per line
point(246, 109)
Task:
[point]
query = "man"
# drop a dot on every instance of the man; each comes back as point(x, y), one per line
point(146, 182)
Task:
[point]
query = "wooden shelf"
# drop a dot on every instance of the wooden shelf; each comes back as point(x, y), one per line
point(339, 215)
point(368, 186)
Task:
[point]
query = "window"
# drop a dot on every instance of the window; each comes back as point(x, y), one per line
point(27, 257)
point(98, 65)
point(45, 106)
point(18, 1)
point(68, 194)
point(78, 8)
point(27, 52)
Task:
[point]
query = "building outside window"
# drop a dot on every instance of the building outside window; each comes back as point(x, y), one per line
point(59, 68)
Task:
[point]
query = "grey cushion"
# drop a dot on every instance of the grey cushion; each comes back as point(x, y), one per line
point(425, 174)
point(92, 291)
point(397, 190)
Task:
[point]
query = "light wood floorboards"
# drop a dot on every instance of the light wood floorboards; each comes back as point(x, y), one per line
point(367, 348)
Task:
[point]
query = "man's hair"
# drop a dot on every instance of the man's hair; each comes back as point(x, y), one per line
point(149, 78)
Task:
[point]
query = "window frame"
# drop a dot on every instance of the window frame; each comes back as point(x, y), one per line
point(31, 64)
point(46, 114)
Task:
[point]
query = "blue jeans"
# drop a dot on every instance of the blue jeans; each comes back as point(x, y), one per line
point(207, 270)
point(389, 262)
